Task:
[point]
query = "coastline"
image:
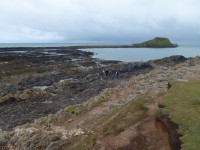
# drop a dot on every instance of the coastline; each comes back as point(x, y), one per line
point(21, 74)
point(121, 54)
point(37, 87)
point(87, 47)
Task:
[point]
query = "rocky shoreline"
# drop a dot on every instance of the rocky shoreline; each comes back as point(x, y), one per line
point(36, 82)
point(39, 82)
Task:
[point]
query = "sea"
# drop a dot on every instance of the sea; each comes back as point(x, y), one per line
point(122, 54)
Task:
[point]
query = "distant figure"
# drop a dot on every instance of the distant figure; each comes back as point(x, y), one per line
point(113, 75)
point(107, 72)
point(103, 73)
point(117, 74)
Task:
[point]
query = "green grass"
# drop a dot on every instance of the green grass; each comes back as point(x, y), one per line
point(83, 143)
point(70, 109)
point(44, 122)
point(182, 104)
point(113, 123)
point(157, 42)
point(101, 98)
point(128, 115)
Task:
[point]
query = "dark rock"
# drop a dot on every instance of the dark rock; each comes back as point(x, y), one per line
point(135, 67)
point(32, 104)
point(8, 89)
point(169, 61)
point(9, 101)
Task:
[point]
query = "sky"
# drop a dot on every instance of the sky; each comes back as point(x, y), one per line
point(98, 21)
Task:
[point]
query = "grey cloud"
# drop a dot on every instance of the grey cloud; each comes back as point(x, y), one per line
point(98, 20)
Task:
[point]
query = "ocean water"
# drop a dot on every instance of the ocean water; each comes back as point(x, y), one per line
point(122, 54)
point(3, 45)
point(143, 54)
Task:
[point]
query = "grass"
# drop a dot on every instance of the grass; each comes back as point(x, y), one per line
point(70, 109)
point(182, 104)
point(53, 137)
point(157, 42)
point(84, 143)
point(113, 124)
point(100, 98)
point(123, 118)
point(44, 122)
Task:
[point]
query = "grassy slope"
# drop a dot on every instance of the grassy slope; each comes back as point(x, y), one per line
point(113, 123)
point(157, 42)
point(182, 104)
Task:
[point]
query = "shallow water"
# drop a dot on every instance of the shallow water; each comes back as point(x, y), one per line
point(3, 45)
point(122, 54)
point(143, 54)
point(40, 87)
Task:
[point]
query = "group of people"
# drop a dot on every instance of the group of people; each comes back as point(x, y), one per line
point(106, 73)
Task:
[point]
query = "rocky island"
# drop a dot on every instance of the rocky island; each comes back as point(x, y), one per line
point(158, 42)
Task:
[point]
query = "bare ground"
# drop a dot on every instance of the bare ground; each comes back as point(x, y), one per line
point(148, 134)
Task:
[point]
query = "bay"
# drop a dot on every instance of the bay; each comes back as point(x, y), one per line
point(143, 54)
point(121, 54)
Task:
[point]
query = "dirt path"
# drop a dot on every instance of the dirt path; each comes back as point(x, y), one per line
point(148, 134)
point(151, 133)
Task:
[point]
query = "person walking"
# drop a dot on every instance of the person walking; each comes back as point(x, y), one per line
point(117, 74)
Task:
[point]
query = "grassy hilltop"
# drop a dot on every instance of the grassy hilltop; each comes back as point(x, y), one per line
point(158, 42)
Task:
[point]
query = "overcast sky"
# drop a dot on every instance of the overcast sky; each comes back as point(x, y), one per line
point(111, 21)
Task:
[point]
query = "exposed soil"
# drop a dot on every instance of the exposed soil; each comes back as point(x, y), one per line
point(149, 133)
point(171, 128)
